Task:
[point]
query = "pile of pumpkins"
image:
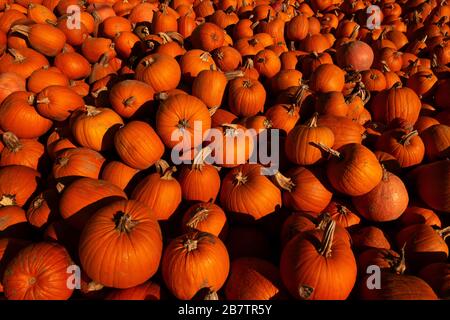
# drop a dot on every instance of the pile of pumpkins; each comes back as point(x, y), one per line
point(93, 204)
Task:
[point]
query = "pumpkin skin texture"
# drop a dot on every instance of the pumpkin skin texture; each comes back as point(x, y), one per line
point(17, 184)
point(397, 287)
point(205, 217)
point(13, 222)
point(176, 117)
point(344, 129)
point(26, 152)
point(58, 102)
point(253, 279)
point(9, 247)
point(327, 77)
point(78, 162)
point(437, 142)
point(146, 291)
point(160, 71)
point(304, 190)
point(419, 214)
point(38, 272)
point(356, 171)
point(369, 237)
point(246, 97)
point(119, 174)
point(195, 261)
point(300, 143)
point(317, 265)
point(138, 145)
point(84, 197)
point(342, 213)
point(396, 103)
point(128, 229)
point(161, 192)
point(131, 97)
point(386, 202)
point(356, 55)
point(245, 191)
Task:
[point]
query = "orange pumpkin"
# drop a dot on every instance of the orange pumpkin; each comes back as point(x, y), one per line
point(246, 97)
point(205, 217)
point(77, 162)
point(26, 152)
point(160, 71)
point(17, 184)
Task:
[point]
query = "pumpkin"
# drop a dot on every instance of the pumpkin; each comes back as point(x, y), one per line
point(207, 36)
point(300, 144)
point(44, 38)
point(38, 272)
point(304, 190)
point(45, 77)
point(319, 266)
point(353, 169)
point(437, 275)
point(283, 116)
point(13, 222)
point(205, 217)
point(10, 82)
point(181, 120)
point(356, 55)
point(396, 103)
point(127, 228)
point(199, 181)
point(73, 65)
point(17, 184)
point(246, 97)
point(253, 279)
point(150, 190)
point(386, 202)
point(327, 77)
point(194, 261)
point(9, 247)
point(77, 162)
point(95, 128)
point(407, 147)
point(27, 152)
point(131, 98)
point(119, 174)
point(423, 245)
point(58, 102)
point(344, 215)
point(220, 117)
point(93, 49)
point(437, 142)
point(163, 20)
point(160, 71)
point(114, 25)
point(43, 208)
point(297, 28)
point(332, 103)
point(247, 182)
point(419, 214)
point(193, 62)
point(147, 291)
point(17, 112)
point(23, 61)
point(84, 196)
point(132, 144)
point(59, 139)
point(267, 63)
point(364, 237)
point(422, 82)
point(74, 36)
point(227, 58)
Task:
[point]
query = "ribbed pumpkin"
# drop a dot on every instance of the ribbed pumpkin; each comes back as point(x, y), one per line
point(45, 77)
point(300, 144)
point(327, 77)
point(437, 142)
point(160, 71)
point(386, 202)
point(419, 214)
point(17, 184)
point(195, 261)
point(246, 191)
point(38, 272)
point(58, 102)
point(205, 217)
point(254, 279)
point(179, 119)
point(13, 222)
point(122, 228)
point(131, 98)
point(246, 97)
point(120, 174)
point(199, 181)
point(344, 129)
point(160, 191)
point(283, 116)
point(81, 162)
point(84, 196)
point(138, 145)
point(10, 82)
point(95, 128)
point(23, 61)
point(9, 247)
point(304, 189)
point(193, 62)
point(26, 152)
point(43, 208)
point(207, 36)
point(353, 169)
point(342, 213)
point(318, 265)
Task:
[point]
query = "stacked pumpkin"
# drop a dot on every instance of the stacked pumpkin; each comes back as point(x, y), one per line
point(97, 100)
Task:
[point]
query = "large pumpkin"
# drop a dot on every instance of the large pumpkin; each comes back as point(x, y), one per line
point(318, 265)
point(121, 229)
point(195, 261)
point(39, 272)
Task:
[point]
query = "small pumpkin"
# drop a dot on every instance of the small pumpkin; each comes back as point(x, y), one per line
point(17, 184)
point(77, 162)
point(58, 102)
point(26, 152)
point(205, 217)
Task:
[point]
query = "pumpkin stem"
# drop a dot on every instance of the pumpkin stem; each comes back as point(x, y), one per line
point(397, 85)
point(18, 58)
point(190, 245)
point(211, 295)
point(312, 123)
point(327, 241)
point(22, 29)
point(213, 110)
point(327, 149)
point(400, 265)
point(124, 223)
point(247, 83)
point(168, 173)
point(92, 111)
point(406, 139)
point(249, 64)
point(284, 182)
point(305, 291)
point(44, 100)
point(62, 161)
point(205, 56)
point(200, 215)
point(200, 158)
point(94, 286)
point(385, 173)
point(183, 124)
point(325, 219)
point(292, 109)
point(11, 141)
point(161, 166)
point(8, 200)
point(60, 187)
point(231, 75)
point(129, 101)
point(444, 233)
point(240, 179)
